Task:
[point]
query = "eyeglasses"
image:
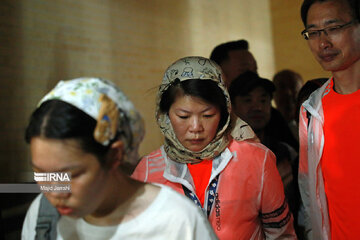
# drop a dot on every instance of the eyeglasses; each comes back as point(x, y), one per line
point(328, 31)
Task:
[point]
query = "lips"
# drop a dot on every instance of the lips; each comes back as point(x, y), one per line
point(196, 141)
point(256, 116)
point(64, 210)
point(327, 57)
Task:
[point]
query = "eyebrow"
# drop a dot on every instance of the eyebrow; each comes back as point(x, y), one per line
point(206, 109)
point(65, 169)
point(328, 22)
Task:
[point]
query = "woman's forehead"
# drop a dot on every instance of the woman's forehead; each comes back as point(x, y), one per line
point(191, 102)
point(57, 155)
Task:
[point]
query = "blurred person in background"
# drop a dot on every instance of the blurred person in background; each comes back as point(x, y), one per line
point(234, 58)
point(251, 98)
point(287, 86)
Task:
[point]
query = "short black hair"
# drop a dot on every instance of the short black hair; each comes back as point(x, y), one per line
point(354, 7)
point(207, 90)
point(248, 81)
point(309, 87)
point(56, 119)
point(221, 52)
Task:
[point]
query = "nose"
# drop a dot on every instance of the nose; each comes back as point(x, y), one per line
point(196, 125)
point(257, 105)
point(56, 191)
point(324, 41)
point(58, 195)
point(58, 198)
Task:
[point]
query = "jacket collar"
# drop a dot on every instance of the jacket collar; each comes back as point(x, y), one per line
point(179, 172)
point(313, 104)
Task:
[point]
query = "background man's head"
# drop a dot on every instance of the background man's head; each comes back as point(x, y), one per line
point(251, 99)
point(234, 58)
point(288, 84)
point(332, 31)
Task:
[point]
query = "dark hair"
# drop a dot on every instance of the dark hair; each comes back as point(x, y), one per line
point(354, 7)
point(248, 81)
point(306, 90)
point(207, 90)
point(285, 75)
point(56, 119)
point(221, 52)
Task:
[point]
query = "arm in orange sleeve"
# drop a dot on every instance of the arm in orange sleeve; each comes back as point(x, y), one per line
point(141, 171)
point(275, 215)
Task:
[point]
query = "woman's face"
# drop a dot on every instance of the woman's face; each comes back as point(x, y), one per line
point(194, 121)
point(88, 178)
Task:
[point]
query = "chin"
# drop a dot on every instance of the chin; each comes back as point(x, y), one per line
point(328, 68)
point(195, 148)
point(332, 66)
point(258, 126)
point(74, 216)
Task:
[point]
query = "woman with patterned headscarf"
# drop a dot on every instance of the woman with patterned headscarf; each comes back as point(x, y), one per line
point(231, 177)
point(87, 129)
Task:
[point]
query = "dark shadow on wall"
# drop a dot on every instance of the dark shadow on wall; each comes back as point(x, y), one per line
point(15, 94)
point(11, 87)
point(12, 91)
point(15, 88)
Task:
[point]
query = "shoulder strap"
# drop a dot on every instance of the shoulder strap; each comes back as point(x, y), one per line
point(47, 221)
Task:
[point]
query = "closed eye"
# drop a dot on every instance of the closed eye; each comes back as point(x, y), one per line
point(334, 28)
point(77, 173)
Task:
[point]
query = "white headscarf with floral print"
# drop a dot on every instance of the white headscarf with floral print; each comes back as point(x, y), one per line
point(204, 69)
point(107, 104)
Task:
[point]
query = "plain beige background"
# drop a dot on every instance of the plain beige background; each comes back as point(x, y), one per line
point(130, 42)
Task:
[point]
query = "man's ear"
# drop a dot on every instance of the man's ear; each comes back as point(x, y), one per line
point(115, 155)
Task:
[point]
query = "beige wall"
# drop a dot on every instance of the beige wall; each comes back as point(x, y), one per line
point(290, 49)
point(130, 42)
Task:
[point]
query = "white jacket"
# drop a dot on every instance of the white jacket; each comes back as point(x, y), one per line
point(311, 137)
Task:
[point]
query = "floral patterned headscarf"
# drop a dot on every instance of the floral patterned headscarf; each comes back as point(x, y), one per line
point(109, 106)
point(204, 69)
